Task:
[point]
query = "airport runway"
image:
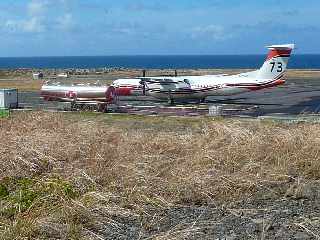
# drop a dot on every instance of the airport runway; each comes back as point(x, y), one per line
point(296, 97)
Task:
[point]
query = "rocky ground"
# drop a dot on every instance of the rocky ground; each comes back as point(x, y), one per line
point(250, 219)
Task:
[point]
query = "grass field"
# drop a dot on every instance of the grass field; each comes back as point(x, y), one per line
point(22, 84)
point(98, 176)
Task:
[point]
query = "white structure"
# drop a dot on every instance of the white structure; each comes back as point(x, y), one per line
point(63, 75)
point(8, 98)
point(37, 76)
point(215, 110)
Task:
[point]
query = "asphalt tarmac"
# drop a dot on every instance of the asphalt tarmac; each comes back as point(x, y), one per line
point(296, 97)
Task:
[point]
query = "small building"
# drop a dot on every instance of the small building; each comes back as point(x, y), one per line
point(63, 75)
point(37, 76)
point(8, 98)
point(215, 110)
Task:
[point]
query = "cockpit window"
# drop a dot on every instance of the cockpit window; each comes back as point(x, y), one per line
point(187, 81)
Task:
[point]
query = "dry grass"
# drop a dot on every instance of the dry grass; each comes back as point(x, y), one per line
point(70, 177)
point(22, 84)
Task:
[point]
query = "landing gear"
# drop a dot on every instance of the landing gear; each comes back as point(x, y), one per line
point(170, 101)
point(202, 100)
point(73, 106)
point(144, 87)
point(103, 107)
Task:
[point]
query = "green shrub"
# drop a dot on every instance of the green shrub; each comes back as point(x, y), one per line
point(4, 113)
point(21, 194)
point(3, 191)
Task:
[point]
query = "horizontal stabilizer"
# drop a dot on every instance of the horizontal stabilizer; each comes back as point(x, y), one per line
point(281, 47)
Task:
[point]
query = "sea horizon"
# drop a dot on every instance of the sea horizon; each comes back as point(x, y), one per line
point(225, 61)
point(151, 55)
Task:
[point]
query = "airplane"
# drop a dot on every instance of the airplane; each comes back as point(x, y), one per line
point(271, 74)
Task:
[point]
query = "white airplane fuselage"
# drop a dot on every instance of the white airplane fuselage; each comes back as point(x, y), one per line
point(199, 87)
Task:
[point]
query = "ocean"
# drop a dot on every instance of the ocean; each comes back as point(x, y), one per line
point(156, 62)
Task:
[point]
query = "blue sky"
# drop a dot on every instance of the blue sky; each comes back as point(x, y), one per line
point(133, 27)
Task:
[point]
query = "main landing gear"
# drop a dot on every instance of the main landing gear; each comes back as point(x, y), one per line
point(170, 101)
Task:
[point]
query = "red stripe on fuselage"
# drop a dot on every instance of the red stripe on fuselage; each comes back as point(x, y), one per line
point(124, 91)
point(269, 85)
point(278, 53)
point(258, 86)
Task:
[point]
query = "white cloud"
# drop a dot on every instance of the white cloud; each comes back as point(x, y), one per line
point(11, 25)
point(34, 22)
point(37, 18)
point(32, 25)
point(37, 7)
point(65, 22)
point(215, 32)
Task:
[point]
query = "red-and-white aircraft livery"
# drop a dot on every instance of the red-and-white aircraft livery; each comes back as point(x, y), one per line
point(184, 87)
point(199, 87)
